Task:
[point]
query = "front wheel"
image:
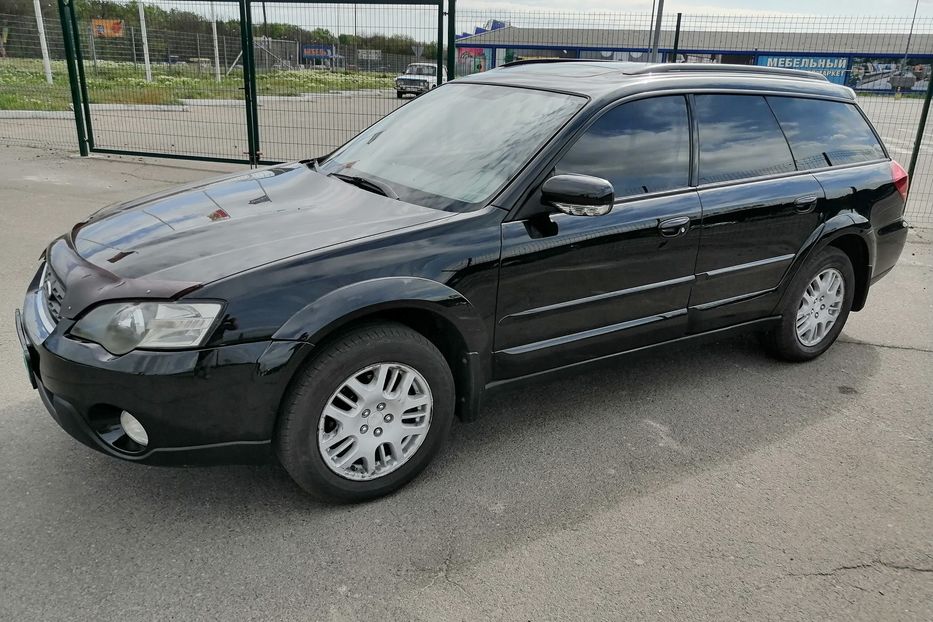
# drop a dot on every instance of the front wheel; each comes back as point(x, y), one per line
point(367, 415)
point(815, 308)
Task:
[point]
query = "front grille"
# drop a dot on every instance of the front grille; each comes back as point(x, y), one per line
point(412, 81)
point(53, 291)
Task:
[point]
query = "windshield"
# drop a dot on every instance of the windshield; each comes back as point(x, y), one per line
point(456, 146)
point(420, 70)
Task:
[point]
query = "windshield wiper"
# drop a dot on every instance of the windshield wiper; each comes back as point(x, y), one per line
point(367, 184)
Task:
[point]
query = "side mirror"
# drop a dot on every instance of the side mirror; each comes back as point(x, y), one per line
point(579, 195)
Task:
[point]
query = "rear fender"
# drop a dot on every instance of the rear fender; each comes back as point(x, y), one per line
point(839, 225)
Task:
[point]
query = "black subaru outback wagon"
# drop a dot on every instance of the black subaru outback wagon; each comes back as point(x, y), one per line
point(339, 312)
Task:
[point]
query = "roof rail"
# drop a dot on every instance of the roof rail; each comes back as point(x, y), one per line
point(721, 68)
point(540, 61)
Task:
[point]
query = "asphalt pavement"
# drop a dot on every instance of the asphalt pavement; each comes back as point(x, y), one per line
point(702, 482)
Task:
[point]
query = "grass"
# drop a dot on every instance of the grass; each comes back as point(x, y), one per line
point(23, 85)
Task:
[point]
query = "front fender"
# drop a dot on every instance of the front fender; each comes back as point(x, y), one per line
point(351, 302)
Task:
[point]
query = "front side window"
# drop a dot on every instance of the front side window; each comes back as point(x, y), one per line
point(739, 138)
point(825, 133)
point(640, 147)
point(454, 147)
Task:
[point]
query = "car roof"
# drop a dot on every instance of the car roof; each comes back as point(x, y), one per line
point(600, 80)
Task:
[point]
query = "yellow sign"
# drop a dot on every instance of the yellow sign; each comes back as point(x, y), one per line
point(107, 28)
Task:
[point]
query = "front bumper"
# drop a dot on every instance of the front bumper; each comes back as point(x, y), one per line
point(412, 88)
point(209, 406)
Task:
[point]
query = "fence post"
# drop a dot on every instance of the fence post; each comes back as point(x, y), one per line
point(677, 37)
point(82, 79)
point(90, 43)
point(68, 40)
point(451, 37)
point(440, 42)
point(919, 139)
point(249, 82)
point(133, 41)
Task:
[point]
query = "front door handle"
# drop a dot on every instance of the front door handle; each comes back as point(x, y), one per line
point(805, 204)
point(674, 227)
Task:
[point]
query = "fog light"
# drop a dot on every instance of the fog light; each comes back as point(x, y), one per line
point(133, 428)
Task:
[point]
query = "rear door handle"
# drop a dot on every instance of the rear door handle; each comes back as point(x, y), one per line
point(674, 227)
point(805, 203)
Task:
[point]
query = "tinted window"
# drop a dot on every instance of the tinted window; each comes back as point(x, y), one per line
point(642, 146)
point(823, 133)
point(739, 138)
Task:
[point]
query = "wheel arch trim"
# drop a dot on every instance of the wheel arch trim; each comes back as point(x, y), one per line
point(343, 306)
point(346, 304)
point(847, 224)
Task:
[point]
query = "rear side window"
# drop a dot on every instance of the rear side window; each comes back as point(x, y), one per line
point(739, 138)
point(640, 147)
point(825, 133)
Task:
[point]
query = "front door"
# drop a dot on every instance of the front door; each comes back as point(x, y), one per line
point(574, 288)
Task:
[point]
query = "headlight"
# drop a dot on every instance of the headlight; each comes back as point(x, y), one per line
point(126, 326)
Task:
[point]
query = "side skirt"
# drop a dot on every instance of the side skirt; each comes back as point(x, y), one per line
point(758, 323)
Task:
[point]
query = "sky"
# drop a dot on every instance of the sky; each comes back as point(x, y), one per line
point(420, 22)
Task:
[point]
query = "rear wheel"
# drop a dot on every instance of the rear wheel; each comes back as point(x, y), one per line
point(815, 307)
point(367, 415)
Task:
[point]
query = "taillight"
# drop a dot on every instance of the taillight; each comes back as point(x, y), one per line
point(901, 181)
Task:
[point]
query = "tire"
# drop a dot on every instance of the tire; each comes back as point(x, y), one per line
point(398, 94)
point(304, 428)
point(785, 341)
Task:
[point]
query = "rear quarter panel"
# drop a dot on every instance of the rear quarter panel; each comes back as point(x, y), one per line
point(868, 195)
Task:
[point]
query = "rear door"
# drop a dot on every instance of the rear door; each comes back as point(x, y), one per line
point(758, 209)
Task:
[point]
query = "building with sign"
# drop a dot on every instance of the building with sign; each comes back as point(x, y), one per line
point(865, 61)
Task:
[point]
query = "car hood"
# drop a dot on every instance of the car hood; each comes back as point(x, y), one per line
point(204, 232)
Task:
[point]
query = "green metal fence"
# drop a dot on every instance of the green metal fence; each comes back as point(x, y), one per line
point(224, 80)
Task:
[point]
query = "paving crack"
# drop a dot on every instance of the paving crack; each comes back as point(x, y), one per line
point(881, 345)
point(862, 566)
point(443, 572)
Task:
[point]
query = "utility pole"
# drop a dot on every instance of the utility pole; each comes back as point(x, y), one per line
point(216, 48)
point(909, 37)
point(657, 32)
point(142, 28)
point(40, 24)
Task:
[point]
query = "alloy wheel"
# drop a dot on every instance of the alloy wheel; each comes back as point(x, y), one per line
point(375, 421)
point(820, 306)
